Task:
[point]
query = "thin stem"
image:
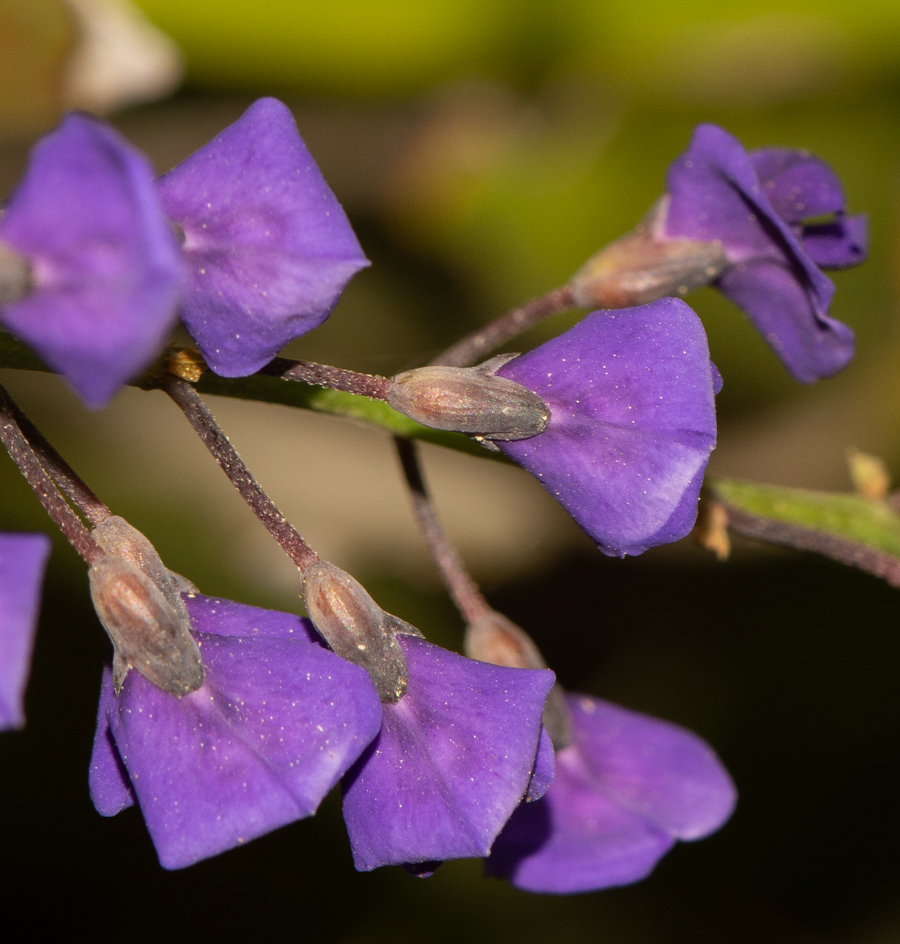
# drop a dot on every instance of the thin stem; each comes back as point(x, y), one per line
point(23, 455)
point(61, 472)
point(232, 465)
point(473, 347)
point(335, 378)
point(462, 588)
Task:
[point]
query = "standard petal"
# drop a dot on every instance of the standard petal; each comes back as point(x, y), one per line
point(22, 561)
point(453, 760)
point(276, 725)
point(268, 247)
point(842, 243)
point(576, 839)
point(105, 263)
point(632, 422)
point(651, 767)
point(544, 769)
point(797, 184)
point(107, 777)
point(811, 344)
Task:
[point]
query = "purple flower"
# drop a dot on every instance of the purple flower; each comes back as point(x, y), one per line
point(632, 422)
point(103, 268)
point(277, 722)
point(22, 561)
point(268, 247)
point(626, 788)
point(755, 205)
point(453, 759)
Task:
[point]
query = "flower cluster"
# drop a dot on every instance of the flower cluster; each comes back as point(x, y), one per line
point(222, 721)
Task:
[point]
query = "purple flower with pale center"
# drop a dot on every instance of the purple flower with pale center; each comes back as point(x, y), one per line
point(277, 722)
point(22, 561)
point(626, 788)
point(454, 758)
point(756, 206)
point(104, 264)
point(632, 422)
point(268, 247)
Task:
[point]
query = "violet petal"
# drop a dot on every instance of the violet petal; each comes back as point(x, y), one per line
point(797, 185)
point(22, 561)
point(632, 422)
point(108, 781)
point(842, 243)
point(652, 767)
point(576, 839)
point(105, 264)
point(268, 247)
point(453, 760)
point(544, 769)
point(812, 345)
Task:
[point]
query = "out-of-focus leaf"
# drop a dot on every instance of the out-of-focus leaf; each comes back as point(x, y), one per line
point(862, 532)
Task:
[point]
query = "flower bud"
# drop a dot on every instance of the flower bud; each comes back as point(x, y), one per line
point(15, 275)
point(494, 638)
point(470, 400)
point(117, 537)
point(146, 631)
point(356, 627)
point(645, 265)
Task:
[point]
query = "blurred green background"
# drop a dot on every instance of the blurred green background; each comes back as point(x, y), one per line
point(483, 149)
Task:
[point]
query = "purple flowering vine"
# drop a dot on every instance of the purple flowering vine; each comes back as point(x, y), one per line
point(267, 246)
point(22, 561)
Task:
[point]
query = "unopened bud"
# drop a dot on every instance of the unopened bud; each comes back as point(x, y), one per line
point(117, 537)
point(494, 638)
point(356, 627)
point(869, 474)
point(146, 632)
point(645, 265)
point(15, 275)
point(470, 400)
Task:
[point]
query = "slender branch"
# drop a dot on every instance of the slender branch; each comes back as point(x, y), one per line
point(233, 466)
point(473, 347)
point(787, 534)
point(23, 455)
point(462, 588)
point(61, 472)
point(335, 378)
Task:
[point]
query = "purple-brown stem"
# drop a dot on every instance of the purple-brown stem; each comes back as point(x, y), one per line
point(60, 471)
point(29, 465)
point(335, 378)
point(232, 465)
point(473, 347)
point(462, 588)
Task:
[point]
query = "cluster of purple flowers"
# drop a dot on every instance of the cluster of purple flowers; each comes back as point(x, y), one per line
point(246, 243)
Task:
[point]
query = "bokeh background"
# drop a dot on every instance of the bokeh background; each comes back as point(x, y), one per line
point(483, 149)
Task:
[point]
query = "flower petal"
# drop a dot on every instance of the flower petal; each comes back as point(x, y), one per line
point(811, 344)
point(452, 761)
point(839, 244)
point(576, 839)
point(544, 769)
point(797, 185)
point(651, 767)
point(105, 263)
point(227, 618)
point(268, 247)
point(632, 422)
point(276, 725)
point(107, 777)
point(22, 561)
